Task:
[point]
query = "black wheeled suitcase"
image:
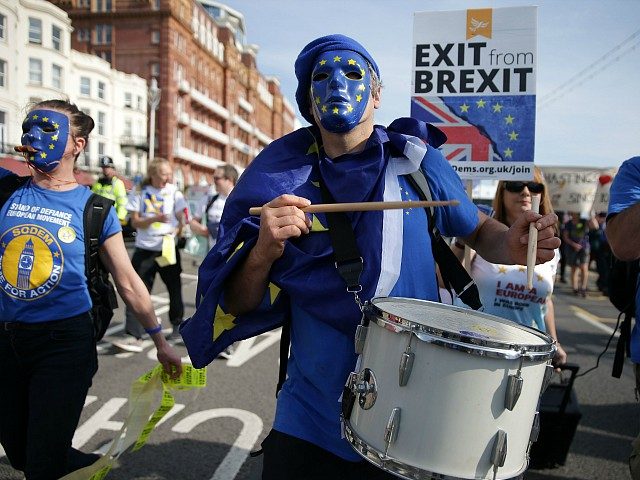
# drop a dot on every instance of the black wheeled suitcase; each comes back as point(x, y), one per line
point(559, 417)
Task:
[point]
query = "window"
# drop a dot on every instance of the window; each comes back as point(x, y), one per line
point(155, 69)
point(101, 149)
point(83, 35)
point(103, 5)
point(3, 27)
point(56, 38)
point(101, 87)
point(3, 73)
point(103, 34)
point(127, 100)
point(127, 164)
point(84, 3)
point(102, 119)
point(35, 71)
point(106, 56)
point(127, 127)
point(156, 4)
point(35, 30)
point(56, 76)
point(85, 86)
point(139, 104)
point(155, 37)
point(3, 131)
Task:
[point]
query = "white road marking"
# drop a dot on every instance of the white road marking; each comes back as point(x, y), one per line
point(591, 319)
point(245, 350)
point(99, 421)
point(251, 428)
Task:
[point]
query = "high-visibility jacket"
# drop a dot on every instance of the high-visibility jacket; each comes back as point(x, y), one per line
point(115, 190)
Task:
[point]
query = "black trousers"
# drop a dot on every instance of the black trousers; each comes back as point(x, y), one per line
point(144, 262)
point(45, 375)
point(289, 458)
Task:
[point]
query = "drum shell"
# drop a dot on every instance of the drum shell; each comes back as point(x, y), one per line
point(451, 408)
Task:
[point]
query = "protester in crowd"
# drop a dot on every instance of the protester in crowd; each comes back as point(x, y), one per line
point(47, 345)
point(623, 231)
point(206, 219)
point(111, 187)
point(600, 252)
point(157, 213)
point(500, 285)
point(338, 90)
point(578, 251)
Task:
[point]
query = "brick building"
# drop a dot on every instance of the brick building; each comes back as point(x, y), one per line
point(215, 105)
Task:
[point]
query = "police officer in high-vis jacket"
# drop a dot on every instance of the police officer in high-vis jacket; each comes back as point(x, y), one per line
point(112, 187)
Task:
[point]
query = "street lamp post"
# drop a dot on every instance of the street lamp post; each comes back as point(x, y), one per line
point(154, 102)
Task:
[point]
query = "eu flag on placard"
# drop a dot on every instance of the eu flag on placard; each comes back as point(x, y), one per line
point(306, 270)
point(482, 128)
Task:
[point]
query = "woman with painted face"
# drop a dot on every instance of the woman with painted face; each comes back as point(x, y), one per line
point(47, 346)
point(503, 288)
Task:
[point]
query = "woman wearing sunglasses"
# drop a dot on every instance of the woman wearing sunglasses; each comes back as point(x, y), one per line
point(503, 288)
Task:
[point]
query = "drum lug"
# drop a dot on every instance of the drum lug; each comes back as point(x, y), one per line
point(514, 389)
point(499, 453)
point(548, 373)
point(535, 429)
point(391, 430)
point(361, 336)
point(367, 389)
point(406, 366)
point(348, 396)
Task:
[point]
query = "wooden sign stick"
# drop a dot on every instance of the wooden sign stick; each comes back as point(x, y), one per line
point(365, 206)
point(532, 247)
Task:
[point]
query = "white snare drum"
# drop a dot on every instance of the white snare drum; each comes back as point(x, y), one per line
point(444, 392)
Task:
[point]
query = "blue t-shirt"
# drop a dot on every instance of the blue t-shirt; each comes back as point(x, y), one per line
point(42, 268)
point(322, 357)
point(625, 193)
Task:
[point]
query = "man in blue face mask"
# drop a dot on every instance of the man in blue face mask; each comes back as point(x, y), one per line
point(281, 265)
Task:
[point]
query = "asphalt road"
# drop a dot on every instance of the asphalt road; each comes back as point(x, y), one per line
point(209, 434)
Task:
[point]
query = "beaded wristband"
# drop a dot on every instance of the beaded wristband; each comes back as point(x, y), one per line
point(154, 330)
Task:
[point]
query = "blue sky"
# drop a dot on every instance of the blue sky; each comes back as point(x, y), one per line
point(594, 124)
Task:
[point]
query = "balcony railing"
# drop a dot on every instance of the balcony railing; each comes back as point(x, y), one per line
point(136, 141)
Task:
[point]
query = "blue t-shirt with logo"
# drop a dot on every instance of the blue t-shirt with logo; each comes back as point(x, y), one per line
point(42, 253)
point(322, 357)
point(625, 193)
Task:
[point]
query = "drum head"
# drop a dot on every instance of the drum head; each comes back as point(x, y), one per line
point(459, 324)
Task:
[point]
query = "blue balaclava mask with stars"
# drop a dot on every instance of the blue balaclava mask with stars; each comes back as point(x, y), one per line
point(47, 132)
point(340, 89)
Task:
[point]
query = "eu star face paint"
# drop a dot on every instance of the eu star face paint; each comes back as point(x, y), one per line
point(340, 89)
point(47, 132)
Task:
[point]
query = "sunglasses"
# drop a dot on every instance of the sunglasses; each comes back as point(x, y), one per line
point(517, 187)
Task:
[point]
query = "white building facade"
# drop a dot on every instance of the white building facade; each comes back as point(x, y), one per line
point(37, 63)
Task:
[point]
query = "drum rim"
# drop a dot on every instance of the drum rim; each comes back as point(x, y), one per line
point(454, 340)
point(395, 466)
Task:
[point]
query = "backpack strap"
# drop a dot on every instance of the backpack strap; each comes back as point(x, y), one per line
point(95, 212)
point(9, 184)
point(453, 273)
point(210, 202)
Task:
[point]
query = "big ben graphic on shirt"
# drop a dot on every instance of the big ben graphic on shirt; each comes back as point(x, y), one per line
point(31, 262)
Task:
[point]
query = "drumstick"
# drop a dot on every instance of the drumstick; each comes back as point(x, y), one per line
point(533, 242)
point(365, 206)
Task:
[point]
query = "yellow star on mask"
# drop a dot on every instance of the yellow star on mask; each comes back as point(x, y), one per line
point(349, 108)
point(56, 125)
point(322, 62)
point(43, 155)
point(51, 146)
point(45, 119)
point(362, 71)
point(337, 58)
point(221, 322)
point(318, 100)
point(324, 109)
point(351, 61)
point(362, 87)
point(55, 138)
point(481, 103)
point(358, 98)
point(335, 111)
point(35, 117)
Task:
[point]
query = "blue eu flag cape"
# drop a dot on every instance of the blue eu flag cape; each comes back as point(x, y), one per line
point(305, 274)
